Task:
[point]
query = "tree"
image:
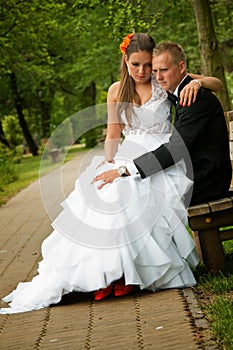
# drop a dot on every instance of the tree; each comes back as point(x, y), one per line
point(19, 108)
point(59, 49)
point(23, 50)
point(208, 43)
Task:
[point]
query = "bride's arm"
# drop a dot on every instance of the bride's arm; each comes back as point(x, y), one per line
point(114, 128)
point(113, 137)
point(211, 83)
point(188, 94)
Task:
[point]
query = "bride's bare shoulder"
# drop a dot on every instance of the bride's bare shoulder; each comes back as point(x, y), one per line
point(113, 91)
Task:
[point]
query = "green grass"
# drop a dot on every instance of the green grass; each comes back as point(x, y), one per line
point(215, 295)
point(28, 170)
point(220, 316)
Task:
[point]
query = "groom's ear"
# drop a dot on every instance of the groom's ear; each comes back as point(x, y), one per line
point(182, 67)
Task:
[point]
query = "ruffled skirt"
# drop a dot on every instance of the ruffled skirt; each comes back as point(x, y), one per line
point(133, 228)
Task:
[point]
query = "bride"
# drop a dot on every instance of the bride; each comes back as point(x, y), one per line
point(112, 238)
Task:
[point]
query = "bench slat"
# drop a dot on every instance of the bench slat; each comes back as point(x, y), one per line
point(211, 220)
point(221, 204)
point(197, 210)
point(213, 206)
point(226, 235)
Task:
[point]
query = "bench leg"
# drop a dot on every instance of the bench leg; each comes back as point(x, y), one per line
point(212, 250)
point(197, 243)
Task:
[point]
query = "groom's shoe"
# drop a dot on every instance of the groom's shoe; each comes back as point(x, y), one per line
point(121, 290)
point(103, 293)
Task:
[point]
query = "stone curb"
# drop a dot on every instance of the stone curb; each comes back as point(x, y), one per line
point(206, 339)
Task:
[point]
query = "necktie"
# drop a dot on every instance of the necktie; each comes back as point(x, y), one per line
point(172, 98)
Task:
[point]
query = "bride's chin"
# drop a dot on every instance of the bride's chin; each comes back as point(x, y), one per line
point(142, 80)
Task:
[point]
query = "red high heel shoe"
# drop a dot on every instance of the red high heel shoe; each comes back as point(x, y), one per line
point(103, 293)
point(121, 290)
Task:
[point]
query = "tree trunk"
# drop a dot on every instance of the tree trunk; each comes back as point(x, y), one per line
point(18, 106)
point(89, 95)
point(45, 118)
point(210, 56)
point(45, 98)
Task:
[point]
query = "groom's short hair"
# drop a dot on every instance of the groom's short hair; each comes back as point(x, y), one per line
point(175, 50)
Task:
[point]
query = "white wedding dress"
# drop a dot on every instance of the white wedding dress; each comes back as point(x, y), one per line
point(132, 227)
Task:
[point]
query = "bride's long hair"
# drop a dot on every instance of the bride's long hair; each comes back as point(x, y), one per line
point(127, 93)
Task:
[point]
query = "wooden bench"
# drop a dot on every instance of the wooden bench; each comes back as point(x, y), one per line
point(55, 155)
point(207, 222)
point(210, 222)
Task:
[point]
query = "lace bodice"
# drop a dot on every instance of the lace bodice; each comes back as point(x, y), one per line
point(153, 117)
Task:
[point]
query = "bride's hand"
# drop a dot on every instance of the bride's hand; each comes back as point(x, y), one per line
point(188, 94)
point(105, 161)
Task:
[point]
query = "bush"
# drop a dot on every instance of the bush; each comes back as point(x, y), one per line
point(7, 167)
point(12, 130)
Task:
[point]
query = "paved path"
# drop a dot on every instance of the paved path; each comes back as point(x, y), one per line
point(140, 321)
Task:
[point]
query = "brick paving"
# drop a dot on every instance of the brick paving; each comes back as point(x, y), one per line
point(142, 320)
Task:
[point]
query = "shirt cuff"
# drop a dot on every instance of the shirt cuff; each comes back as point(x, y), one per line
point(133, 170)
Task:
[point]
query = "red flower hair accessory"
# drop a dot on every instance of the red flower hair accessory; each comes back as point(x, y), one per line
point(125, 43)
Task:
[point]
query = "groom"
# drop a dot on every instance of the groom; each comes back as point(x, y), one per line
point(201, 127)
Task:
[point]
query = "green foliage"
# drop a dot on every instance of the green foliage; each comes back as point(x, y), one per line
point(12, 130)
point(229, 79)
point(7, 167)
point(130, 16)
point(126, 16)
point(223, 21)
point(57, 49)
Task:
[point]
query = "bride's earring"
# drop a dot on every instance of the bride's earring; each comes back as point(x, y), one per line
point(128, 69)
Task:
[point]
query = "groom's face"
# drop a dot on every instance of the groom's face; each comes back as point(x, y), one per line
point(167, 73)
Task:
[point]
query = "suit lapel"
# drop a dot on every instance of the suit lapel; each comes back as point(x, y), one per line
point(182, 85)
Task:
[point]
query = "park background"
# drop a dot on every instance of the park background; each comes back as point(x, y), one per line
point(58, 58)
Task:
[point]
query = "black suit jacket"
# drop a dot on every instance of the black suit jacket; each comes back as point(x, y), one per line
point(201, 132)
